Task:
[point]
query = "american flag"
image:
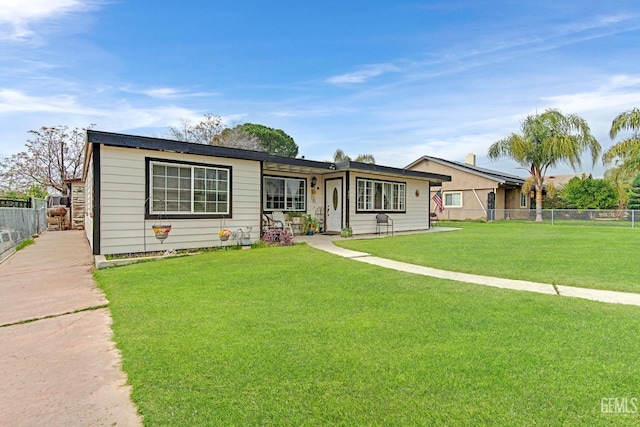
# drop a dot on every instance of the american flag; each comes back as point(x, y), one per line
point(438, 199)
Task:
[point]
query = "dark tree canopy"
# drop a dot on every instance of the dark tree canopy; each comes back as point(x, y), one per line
point(273, 141)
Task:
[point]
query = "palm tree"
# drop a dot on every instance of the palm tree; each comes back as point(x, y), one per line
point(627, 150)
point(547, 139)
point(365, 158)
point(340, 156)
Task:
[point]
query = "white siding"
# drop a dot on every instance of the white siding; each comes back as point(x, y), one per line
point(416, 216)
point(123, 225)
point(88, 202)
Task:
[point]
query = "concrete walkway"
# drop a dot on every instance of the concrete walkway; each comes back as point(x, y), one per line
point(58, 364)
point(325, 243)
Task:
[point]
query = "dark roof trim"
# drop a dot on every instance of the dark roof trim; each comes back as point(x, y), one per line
point(159, 144)
point(487, 173)
point(368, 167)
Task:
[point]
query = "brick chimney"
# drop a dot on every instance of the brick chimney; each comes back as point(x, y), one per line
point(470, 159)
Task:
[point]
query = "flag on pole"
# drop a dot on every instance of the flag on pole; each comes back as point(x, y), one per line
point(438, 199)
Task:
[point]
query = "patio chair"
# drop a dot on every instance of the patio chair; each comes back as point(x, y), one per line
point(281, 221)
point(383, 220)
point(433, 219)
point(270, 222)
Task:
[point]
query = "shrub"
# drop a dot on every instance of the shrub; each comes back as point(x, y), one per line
point(634, 194)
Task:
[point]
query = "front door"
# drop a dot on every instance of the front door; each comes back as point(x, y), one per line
point(334, 205)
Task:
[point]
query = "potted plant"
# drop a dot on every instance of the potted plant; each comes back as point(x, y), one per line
point(346, 232)
point(295, 217)
point(224, 234)
point(310, 224)
point(161, 231)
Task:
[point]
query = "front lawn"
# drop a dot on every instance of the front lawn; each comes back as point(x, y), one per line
point(583, 256)
point(296, 336)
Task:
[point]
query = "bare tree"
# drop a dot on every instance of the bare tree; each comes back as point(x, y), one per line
point(206, 131)
point(53, 155)
point(239, 138)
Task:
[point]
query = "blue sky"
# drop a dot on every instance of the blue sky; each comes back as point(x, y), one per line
point(394, 79)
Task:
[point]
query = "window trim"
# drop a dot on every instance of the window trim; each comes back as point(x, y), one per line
point(148, 214)
point(393, 184)
point(285, 178)
point(444, 199)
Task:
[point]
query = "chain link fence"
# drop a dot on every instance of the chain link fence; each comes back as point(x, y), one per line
point(20, 223)
point(596, 217)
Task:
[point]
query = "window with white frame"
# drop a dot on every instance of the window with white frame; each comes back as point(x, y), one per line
point(453, 200)
point(523, 200)
point(373, 195)
point(284, 194)
point(184, 189)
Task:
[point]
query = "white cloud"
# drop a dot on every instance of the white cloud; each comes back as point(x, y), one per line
point(17, 18)
point(167, 93)
point(366, 73)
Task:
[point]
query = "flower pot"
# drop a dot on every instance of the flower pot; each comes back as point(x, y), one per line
point(224, 238)
point(161, 232)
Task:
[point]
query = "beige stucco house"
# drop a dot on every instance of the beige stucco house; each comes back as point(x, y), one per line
point(466, 195)
point(133, 182)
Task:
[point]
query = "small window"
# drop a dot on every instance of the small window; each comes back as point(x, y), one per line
point(453, 200)
point(523, 200)
point(380, 196)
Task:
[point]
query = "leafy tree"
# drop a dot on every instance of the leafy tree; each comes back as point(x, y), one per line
point(627, 150)
point(547, 139)
point(634, 194)
point(53, 155)
point(589, 193)
point(274, 141)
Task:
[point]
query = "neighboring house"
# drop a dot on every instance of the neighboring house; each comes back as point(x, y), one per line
point(560, 181)
point(466, 195)
point(134, 182)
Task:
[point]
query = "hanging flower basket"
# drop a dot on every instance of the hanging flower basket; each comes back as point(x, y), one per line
point(224, 234)
point(161, 232)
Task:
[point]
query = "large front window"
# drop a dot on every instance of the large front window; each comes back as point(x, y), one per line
point(182, 189)
point(284, 194)
point(375, 195)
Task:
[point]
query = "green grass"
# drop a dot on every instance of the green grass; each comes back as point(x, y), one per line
point(25, 243)
point(587, 256)
point(295, 336)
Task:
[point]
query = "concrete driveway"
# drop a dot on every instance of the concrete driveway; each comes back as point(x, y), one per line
point(58, 364)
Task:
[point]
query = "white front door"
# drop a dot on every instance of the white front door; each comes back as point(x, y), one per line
point(334, 205)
